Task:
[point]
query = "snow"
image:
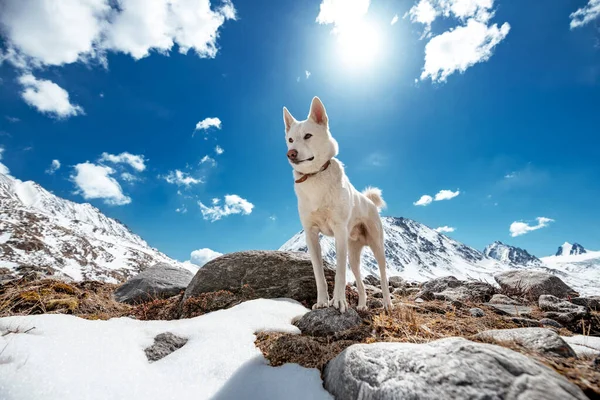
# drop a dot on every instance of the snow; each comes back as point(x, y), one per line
point(65, 357)
point(580, 271)
point(566, 248)
point(4, 237)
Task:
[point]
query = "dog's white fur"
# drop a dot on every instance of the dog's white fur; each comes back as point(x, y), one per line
point(329, 204)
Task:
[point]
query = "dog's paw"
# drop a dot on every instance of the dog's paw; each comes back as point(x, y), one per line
point(362, 308)
point(387, 306)
point(339, 303)
point(320, 304)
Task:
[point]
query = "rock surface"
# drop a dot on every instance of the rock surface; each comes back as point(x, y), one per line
point(503, 299)
point(159, 281)
point(584, 345)
point(451, 289)
point(164, 344)
point(533, 284)
point(396, 282)
point(506, 309)
point(452, 368)
point(371, 280)
point(477, 312)
point(592, 302)
point(550, 322)
point(540, 340)
point(327, 321)
point(269, 274)
point(562, 311)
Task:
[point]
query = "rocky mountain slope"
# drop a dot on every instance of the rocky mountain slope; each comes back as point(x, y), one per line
point(580, 270)
point(568, 249)
point(508, 254)
point(43, 232)
point(416, 252)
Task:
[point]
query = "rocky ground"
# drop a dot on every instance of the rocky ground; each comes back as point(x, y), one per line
point(527, 336)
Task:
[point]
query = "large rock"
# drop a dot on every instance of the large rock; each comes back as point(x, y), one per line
point(584, 345)
point(451, 289)
point(533, 284)
point(506, 309)
point(397, 282)
point(452, 368)
point(503, 299)
point(371, 280)
point(159, 281)
point(540, 340)
point(269, 274)
point(592, 302)
point(562, 311)
point(328, 321)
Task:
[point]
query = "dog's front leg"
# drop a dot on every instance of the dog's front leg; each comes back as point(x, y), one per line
point(341, 254)
point(314, 249)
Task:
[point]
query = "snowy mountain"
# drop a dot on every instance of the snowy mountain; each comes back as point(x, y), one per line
point(568, 249)
point(416, 252)
point(43, 232)
point(511, 255)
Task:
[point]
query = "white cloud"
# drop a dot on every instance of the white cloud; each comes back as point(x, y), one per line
point(586, 14)
point(510, 175)
point(273, 218)
point(181, 210)
point(424, 200)
point(54, 166)
point(47, 32)
point(518, 228)
point(137, 162)
point(208, 123)
point(215, 201)
point(343, 14)
point(461, 48)
point(202, 256)
point(424, 13)
point(446, 195)
point(307, 73)
point(208, 160)
point(126, 176)
point(180, 178)
point(47, 97)
point(394, 20)
point(219, 150)
point(12, 119)
point(95, 182)
point(3, 168)
point(445, 229)
point(233, 204)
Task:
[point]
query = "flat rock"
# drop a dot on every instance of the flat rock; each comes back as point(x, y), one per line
point(164, 344)
point(506, 309)
point(372, 280)
point(533, 284)
point(158, 281)
point(269, 274)
point(541, 340)
point(550, 322)
point(584, 345)
point(396, 282)
point(451, 289)
point(591, 302)
point(451, 368)
point(477, 312)
point(525, 322)
point(327, 321)
point(503, 299)
point(562, 311)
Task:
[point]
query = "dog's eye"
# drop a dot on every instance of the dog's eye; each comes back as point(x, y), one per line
point(291, 140)
point(307, 136)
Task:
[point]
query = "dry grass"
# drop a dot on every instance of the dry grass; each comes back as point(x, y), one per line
point(91, 300)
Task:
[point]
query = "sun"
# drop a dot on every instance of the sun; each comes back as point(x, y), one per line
point(359, 45)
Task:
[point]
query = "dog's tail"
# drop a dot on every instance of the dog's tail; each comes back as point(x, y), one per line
point(374, 194)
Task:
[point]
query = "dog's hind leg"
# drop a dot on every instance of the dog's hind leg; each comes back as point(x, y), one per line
point(314, 249)
point(375, 241)
point(340, 233)
point(354, 250)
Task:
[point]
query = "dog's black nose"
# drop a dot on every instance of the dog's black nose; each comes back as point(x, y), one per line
point(292, 154)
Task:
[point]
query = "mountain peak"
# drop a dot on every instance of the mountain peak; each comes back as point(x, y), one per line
point(568, 249)
point(511, 255)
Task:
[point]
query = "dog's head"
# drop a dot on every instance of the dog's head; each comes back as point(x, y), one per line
point(309, 142)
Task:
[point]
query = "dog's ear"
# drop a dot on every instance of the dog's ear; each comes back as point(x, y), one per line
point(288, 119)
point(317, 112)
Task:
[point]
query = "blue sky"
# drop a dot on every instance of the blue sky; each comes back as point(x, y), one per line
point(497, 101)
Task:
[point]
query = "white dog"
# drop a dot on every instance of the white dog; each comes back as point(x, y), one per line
point(329, 204)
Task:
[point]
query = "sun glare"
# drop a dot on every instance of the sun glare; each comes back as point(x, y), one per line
point(360, 45)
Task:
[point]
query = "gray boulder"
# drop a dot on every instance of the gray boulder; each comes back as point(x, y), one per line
point(159, 281)
point(533, 284)
point(269, 274)
point(524, 322)
point(550, 322)
point(503, 299)
point(592, 302)
point(451, 289)
point(372, 280)
point(541, 340)
point(164, 344)
point(327, 321)
point(562, 311)
point(514, 310)
point(452, 368)
point(396, 282)
point(477, 312)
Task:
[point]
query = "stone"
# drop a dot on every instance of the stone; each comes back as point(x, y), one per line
point(505, 309)
point(541, 340)
point(591, 302)
point(164, 344)
point(327, 321)
point(584, 345)
point(562, 311)
point(477, 312)
point(396, 282)
point(419, 300)
point(550, 322)
point(503, 299)
point(533, 284)
point(269, 274)
point(158, 281)
point(399, 292)
point(375, 303)
point(372, 280)
point(451, 368)
point(526, 322)
point(412, 291)
point(451, 289)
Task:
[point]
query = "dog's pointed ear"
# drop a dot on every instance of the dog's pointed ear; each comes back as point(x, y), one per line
point(317, 112)
point(288, 119)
